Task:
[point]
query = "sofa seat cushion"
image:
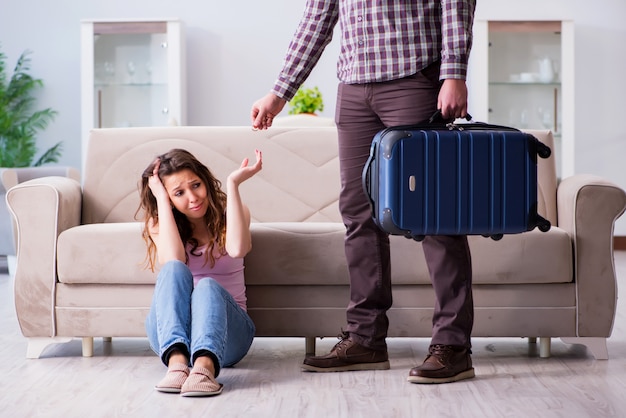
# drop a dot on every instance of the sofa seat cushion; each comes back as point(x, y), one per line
point(530, 257)
point(297, 253)
point(312, 253)
point(109, 253)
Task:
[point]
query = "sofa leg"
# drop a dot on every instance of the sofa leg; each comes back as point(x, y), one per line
point(532, 340)
point(309, 343)
point(107, 339)
point(87, 346)
point(544, 347)
point(597, 345)
point(36, 345)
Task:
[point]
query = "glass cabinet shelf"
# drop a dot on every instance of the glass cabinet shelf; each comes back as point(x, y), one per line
point(522, 83)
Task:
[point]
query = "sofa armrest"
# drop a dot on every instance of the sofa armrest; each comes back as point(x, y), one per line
point(42, 208)
point(587, 209)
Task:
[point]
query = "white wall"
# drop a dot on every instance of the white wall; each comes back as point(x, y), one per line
point(234, 50)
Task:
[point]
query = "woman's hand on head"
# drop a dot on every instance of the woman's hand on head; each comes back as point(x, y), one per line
point(156, 185)
point(245, 171)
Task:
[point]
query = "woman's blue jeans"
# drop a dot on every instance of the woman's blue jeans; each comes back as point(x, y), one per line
point(202, 318)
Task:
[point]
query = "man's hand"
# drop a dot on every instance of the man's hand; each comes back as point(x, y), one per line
point(452, 99)
point(265, 109)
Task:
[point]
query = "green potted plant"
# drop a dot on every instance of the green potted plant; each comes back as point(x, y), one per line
point(19, 124)
point(307, 101)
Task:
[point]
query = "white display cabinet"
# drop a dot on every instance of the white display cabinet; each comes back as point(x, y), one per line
point(522, 75)
point(132, 74)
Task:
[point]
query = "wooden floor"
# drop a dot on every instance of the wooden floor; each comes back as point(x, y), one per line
point(512, 380)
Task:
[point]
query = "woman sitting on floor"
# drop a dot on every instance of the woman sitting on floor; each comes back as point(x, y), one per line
point(199, 236)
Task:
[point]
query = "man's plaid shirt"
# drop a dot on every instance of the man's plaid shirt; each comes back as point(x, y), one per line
point(381, 40)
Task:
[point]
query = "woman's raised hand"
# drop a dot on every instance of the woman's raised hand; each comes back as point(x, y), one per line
point(244, 172)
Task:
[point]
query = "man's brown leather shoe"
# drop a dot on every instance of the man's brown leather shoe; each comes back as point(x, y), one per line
point(347, 355)
point(444, 364)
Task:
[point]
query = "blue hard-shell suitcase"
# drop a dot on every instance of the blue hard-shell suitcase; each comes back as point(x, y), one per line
point(454, 179)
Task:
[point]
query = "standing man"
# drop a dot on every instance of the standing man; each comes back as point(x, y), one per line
point(399, 62)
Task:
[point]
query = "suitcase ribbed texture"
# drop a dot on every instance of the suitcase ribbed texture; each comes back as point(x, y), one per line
point(454, 182)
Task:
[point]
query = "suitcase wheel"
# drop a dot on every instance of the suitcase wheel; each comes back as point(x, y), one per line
point(544, 225)
point(495, 237)
point(543, 150)
point(418, 238)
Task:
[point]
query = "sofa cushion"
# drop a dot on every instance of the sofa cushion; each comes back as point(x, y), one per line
point(312, 253)
point(299, 181)
point(531, 257)
point(110, 253)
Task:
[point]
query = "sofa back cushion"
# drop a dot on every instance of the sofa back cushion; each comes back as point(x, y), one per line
point(299, 181)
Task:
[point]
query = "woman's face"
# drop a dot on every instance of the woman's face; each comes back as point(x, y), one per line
point(187, 192)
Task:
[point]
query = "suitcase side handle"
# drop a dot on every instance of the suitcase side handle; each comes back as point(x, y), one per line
point(366, 178)
point(437, 118)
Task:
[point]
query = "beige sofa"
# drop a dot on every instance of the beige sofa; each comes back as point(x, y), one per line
point(80, 255)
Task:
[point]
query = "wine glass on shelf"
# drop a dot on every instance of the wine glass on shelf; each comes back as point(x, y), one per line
point(545, 117)
point(109, 72)
point(149, 72)
point(131, 68)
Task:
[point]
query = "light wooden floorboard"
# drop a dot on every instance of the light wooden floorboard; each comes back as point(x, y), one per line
point(512, 380)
